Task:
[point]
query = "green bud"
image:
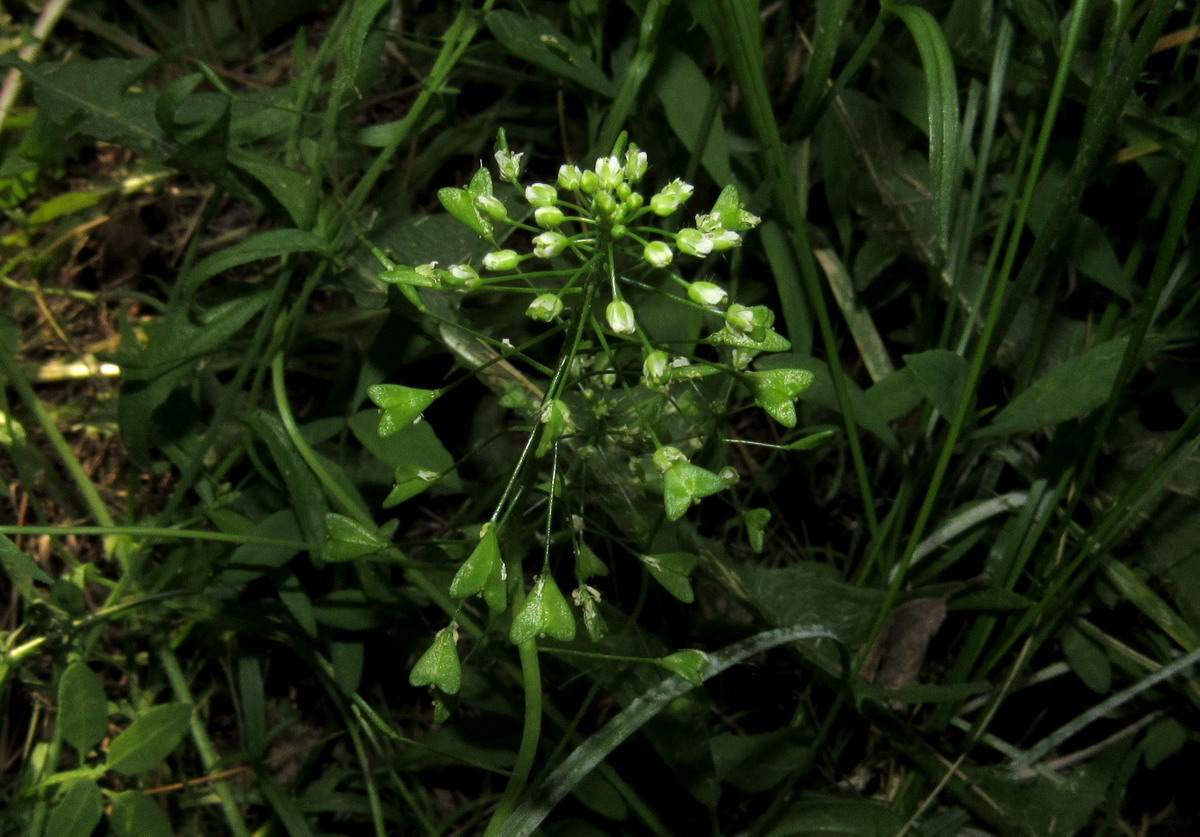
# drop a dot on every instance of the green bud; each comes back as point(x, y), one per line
point(706, 293)
point(545, 308)
point(501, 260)
point(569, 177)
point(548, 216)
point(620, 317)
point(658, 253)
point(549, 244)
point(491, 205)
point(693, 242)
point(541, 194)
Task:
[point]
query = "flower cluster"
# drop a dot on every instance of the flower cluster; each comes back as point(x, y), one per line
point(585, 212)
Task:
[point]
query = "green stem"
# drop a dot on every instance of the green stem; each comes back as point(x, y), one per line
point(204, 745)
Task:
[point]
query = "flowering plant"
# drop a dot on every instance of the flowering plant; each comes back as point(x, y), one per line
point(623, 404)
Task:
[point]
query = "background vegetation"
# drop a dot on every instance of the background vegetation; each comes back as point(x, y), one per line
point(975, 609)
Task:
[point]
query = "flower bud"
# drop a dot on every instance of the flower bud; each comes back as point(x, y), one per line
point(635, 164)
point(658, 253)
point(665, 457)
point(463, 275)
point(490, 205)
point(693, 242)
point(589, 183)
point(670, 197)
point(605, 203)
point(569, 177)
point(545, 308)
point(501, 260)
point(706, 293)
point(541, 194)
point(548, 216)
point(724, 240)
point(740, 318)
point(710, 223)
point(509, 165)
point(610, 172)
point(549, 244)
point(620, 317)
point(654, 368)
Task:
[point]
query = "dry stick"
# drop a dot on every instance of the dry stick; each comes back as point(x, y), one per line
point(46, 21)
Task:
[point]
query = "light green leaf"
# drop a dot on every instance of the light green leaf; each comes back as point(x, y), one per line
point(775, 391)
point(672, 571)
point(439, 666)
point(401, 405)
point(461, 204)
point(149, 739)
point(82, 707)
point(690, 665)
point(682, 88)
point(483, 565)
point(684, 484)
point(545, 612)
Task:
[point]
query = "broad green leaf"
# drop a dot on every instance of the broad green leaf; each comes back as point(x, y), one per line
point(401, 405)
point(544, 612)
point(149, 739)
point(685, 484)
point(251, 560)
point(1087, 660)
point(531, 40)
point(136, 814)
point(689, 664)
point(78, 812)
point(672, 571)
point(940, 376)
point(416, 456)
point(265, 245)
point(82, 707)
point(1164, 739)
point(291, 189)
point(1068, 391)
point(683, 88)
point(95, 98)
point(775, 391)
point(152, 370)
point(349, 539)
point(439, 666)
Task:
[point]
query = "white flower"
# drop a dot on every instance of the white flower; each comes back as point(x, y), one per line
point(501, 260)
point(710, 223)
point(569, 177)
point(706, 293)
point(693, 242)
point(491, 205)
point(740, 318)
point(545, 308)
point(670, 197)
point(658, 253)
point(463, 274)
point(610, 172)
point(724, 239)
point(540, 194)
point(549, 244)
point(654, 367)
point(509, 165)
point(620, 317)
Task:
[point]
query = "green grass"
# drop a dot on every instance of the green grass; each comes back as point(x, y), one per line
point(955, 592)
